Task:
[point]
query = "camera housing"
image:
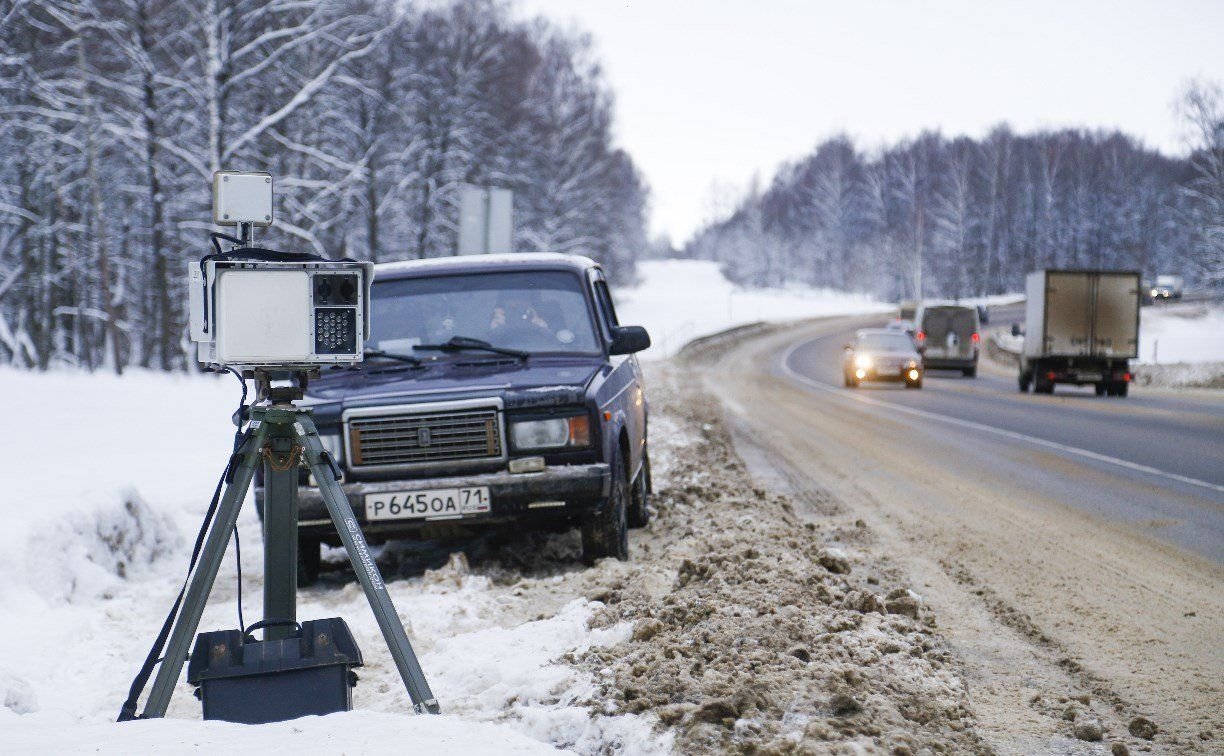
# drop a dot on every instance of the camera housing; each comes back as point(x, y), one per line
point(253, 314)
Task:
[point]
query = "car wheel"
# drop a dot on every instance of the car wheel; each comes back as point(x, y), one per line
point(607, 534)
point(970, 372)
point(639, 511)
point(310, 559)
point(852, 382)
point(1024, 382)
point(914, 384)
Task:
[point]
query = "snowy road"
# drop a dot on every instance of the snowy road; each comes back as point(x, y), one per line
point(1048, 569)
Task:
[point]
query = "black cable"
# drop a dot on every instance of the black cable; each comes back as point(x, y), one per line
point(240, 418)
point(238, 561)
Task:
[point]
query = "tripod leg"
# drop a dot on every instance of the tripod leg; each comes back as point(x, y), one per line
point(367, 571)
point(280, 529)
point(203, 577)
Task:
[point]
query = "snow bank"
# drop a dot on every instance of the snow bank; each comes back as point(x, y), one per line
point(108, 479)
point(1187, 333)
point(680, 300)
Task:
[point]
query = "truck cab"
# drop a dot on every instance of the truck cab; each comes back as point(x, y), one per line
point(497, 392)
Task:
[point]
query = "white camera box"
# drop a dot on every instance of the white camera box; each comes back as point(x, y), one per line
point(280, 315)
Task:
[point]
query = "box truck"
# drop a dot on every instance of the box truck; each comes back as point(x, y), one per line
point(1082, 328)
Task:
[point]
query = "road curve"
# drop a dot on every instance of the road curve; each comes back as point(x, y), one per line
point(1063, 541)
point(1162, 454)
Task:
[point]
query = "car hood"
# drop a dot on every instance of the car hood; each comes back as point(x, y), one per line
point(539, 381)
point(889, 357)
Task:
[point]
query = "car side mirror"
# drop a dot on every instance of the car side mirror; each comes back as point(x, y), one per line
point(629, 339)
point(1015, 329)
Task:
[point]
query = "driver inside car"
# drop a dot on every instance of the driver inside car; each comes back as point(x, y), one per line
point(515, 311)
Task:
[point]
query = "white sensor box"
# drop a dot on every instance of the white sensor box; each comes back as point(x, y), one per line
point(279, 315)
point(242, 197)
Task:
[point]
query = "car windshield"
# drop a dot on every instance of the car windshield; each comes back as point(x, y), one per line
point(891, 342)
point(537, 312)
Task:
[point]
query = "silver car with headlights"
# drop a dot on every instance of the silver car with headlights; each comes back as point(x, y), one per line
point(882, 354)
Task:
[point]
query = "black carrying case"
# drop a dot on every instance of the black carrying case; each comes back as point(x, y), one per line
point(240, 679)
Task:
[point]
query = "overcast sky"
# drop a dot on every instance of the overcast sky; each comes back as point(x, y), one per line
point(712, 92)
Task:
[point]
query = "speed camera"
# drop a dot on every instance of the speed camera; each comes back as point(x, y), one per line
point(253, 308)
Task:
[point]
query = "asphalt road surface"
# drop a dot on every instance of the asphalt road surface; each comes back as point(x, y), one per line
point(1063, 541)
point(1153, 456)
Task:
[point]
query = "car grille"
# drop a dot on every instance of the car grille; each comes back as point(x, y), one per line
point(395, 440)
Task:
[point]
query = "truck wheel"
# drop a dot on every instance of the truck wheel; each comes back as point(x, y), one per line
point(970, 372)
point(310, 559)
point(1043, 386)
point(607, 533)
point(851, 381)
point(639, 512)
point(1099, 388)
point(1122, 389)
point(1025, 381)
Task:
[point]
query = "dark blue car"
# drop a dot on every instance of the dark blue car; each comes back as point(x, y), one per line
point(497, 391)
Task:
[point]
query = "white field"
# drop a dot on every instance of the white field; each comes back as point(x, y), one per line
point(680, 300)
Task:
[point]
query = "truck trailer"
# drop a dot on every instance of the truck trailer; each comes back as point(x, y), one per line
point(1082, 328)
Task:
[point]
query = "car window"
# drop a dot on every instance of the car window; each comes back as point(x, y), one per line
point(537, 311)
point(937, 322)
point(886, 341)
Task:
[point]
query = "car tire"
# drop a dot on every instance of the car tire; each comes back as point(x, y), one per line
point(914, 384)
point(606, 534)
point(310, 560)
point(970, 372)
point(1024, 382)
point(639, 509)
point(852, 382)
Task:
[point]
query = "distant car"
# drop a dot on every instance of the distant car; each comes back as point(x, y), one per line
point(1168, 287)
point(882, 354)
point(902, 324)
point(948, 337)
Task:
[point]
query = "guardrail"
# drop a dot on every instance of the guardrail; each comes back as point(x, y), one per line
point(713, 339)
point(1000, 352)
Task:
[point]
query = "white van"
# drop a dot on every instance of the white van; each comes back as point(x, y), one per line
point(948, 337)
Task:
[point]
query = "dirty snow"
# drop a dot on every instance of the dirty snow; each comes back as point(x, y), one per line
point(680, 300)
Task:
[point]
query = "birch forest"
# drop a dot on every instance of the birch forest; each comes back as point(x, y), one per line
point(370, 114)
point(953, 217)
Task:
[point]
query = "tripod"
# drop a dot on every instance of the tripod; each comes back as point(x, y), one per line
point(281, 436)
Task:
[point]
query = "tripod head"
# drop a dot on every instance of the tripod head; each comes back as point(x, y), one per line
point(282, 387)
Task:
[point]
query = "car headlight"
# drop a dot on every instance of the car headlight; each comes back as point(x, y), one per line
point(912, 364)
point(863, 362)
point(553, 433)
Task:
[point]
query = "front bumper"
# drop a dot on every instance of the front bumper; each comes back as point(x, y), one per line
point(884, 372)
point(569, 491)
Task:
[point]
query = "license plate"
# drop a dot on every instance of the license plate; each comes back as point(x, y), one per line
point(1090, 376)
point(437, 503)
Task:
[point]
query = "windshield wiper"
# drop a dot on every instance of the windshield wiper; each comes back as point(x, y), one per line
point(410, 359)
point(459, 343)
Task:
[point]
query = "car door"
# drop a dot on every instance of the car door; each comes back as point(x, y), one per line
point(623, 394)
